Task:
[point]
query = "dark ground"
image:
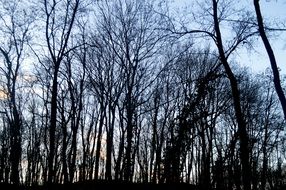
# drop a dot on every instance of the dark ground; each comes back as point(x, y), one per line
point(103, 186)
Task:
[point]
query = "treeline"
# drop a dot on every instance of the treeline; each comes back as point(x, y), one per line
point(122, 90)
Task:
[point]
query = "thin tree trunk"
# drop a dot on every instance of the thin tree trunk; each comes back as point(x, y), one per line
point(64, 149)
point(118, 168)
point(127, 169)
point(98, 145)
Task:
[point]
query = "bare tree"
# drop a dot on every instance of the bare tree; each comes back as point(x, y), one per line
point(16, 23)
point(112, 96)
point(244, 139)
point(242, 32)
point(59, 22)
point(273, 63)
point(128, 40)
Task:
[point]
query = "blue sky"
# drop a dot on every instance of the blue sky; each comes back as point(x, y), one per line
point(274, 10)
point(257, 60)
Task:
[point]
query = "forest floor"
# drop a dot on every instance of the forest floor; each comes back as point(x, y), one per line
point(102, 186)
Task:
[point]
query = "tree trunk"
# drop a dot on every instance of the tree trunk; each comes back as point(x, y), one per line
point(64, 150)
point(98, 145)
point(129, 128)
point(15, 127)
point(15, 154)
point(53, 123)
point(109, 144)
point(276, 77)
point(118, 168)
point(244, 149)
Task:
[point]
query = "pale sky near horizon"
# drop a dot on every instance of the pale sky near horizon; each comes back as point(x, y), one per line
point(257, 60)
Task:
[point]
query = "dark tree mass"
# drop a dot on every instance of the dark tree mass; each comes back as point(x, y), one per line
point(137, 94)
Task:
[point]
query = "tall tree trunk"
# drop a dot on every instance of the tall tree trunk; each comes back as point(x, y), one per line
point(243, 135)
point(15, 128)
point(109, 143)
point(118, 168)
point(129, 128)
point(98, 143)
point(15, 154)
point(63, 124)
point(265, 158)
point(57, 53)
point(73, 155)
point(154, 141)
point(75, 125)
point(53, 123)
point(276, 77)
point(64, 150)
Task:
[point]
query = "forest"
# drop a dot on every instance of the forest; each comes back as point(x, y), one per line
point(140, 91)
